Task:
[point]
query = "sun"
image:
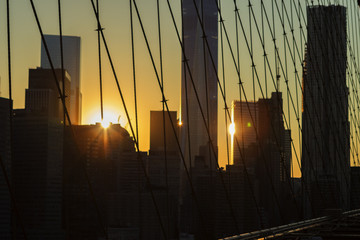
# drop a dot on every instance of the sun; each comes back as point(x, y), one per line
point(111, 116)
point(105, 124)
point(232, 129)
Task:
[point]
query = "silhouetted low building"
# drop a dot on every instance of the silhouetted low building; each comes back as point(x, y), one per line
point(106, 160)
point(162, 124)
point(261, 146)
point(43, 96)
point(37, 171)
point(5, 155)
point(163, 167)
point(355, 188)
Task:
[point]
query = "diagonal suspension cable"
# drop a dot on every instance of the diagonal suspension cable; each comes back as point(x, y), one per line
point(62, 97)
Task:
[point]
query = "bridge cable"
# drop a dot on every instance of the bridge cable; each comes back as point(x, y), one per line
point(3, 167)
point(67, 116)
point(163, 115)
point(100, 68)
point(241, 148)
point(128, 117)
point(185, 86)
point(167, 110)
point(224, 87)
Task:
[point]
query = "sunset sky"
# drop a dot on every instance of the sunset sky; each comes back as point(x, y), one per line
point(79, 20)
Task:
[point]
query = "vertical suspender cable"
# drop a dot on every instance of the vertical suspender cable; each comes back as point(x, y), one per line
point(225, 105)
point(127, 114)
point(206, 89)
point(163, 115)
point(6, 176)
point(66, 111)
point(242, 146)
point(167, 110)
point(100, 68)
point(135, 104)
point(186, 91)
point(63, 87)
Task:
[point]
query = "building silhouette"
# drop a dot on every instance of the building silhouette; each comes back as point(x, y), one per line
point(5, 155)
point(355, 188)
point(205, 80)
point(325, 126)
point(107, 159)
point(37, 162)
point(261, 150)
point(159, 129)
point(43, 95)
point(37, 172)
point(71, 52)
point(163, 167)
point(244, 116)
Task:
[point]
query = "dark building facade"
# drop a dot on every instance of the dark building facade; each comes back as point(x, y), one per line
point(325, 126)
point(37, 162)
point(105, 159)
point(159, 129)
point(163, 167)
point(355, 188)
point(203, 75)
point(244, 117)
point(261, 148)
point(43, 96)
point(37, 172)
point(5, 155)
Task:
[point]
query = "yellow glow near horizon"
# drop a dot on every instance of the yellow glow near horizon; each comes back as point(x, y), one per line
point(111, 116)
point(105, 124)
point(232, 129)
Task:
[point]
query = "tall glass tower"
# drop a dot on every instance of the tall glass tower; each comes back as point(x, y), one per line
point(71, 46)
point(200, 75)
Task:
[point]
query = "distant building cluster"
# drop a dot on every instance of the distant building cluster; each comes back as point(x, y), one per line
point(90, 182)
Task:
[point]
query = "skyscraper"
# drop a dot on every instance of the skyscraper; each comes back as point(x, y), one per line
point(71, 49)
point(43, 95)
point(37, 162)
point(5, 155)
point(262, 145)
point(112, 167)
point(158, 128)
point(204, 78)
point(163, 166)
point(244, 115)
point(37, 172)
point(325, 145)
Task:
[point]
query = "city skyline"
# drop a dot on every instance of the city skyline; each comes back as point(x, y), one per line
point(79, 26)
point(220, 119)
